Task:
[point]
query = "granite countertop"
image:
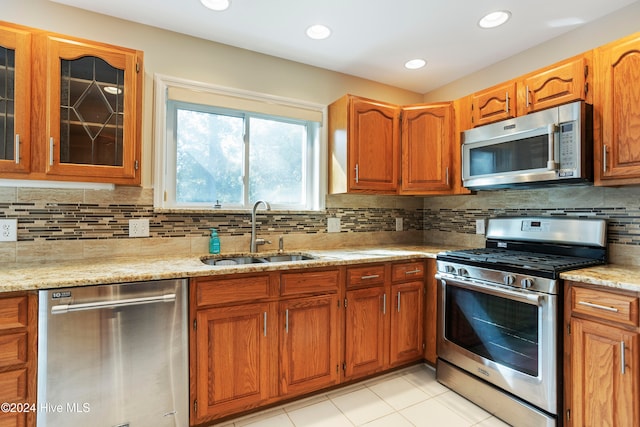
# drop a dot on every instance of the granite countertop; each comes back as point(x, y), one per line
point(20, 277)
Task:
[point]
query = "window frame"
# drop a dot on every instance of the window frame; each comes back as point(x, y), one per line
point(164, 163)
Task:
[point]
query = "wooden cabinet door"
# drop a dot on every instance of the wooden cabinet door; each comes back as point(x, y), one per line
point(365, 326)
point(493, 104)
point(427, 144)
point(374, 138)
point(93, 106)
point(233, 351)
point(15, 73)
point(309, 358)
point(604, 371)
point(559, 84)
point(406, 336)
point(617, 99)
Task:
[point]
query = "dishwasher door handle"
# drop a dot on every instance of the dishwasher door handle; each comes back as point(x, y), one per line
point(99, 305)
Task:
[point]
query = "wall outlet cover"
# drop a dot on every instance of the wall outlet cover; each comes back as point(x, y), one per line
point(480, 226)
point(139, 227)
point(333, 225)
point(399, 224)
point(9, 230)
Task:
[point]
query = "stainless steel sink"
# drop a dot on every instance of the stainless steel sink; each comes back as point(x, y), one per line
point(222, 260)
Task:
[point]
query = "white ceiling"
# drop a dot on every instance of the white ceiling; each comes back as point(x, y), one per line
point(371, 39)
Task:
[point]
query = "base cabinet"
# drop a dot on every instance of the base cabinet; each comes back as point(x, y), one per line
point(602, 375)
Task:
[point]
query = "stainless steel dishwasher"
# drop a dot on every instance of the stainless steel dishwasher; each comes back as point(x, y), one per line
point(114, 355)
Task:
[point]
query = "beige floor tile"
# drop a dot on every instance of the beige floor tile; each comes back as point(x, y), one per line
point(323, 414)
point(399, 393)
point(391, 420)
point(431, 413)
point(362, 406)
point(461, 406)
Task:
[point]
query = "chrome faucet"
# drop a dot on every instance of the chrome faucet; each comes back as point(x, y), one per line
point(254, 241)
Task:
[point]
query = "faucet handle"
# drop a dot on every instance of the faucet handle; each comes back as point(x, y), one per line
point(262, 242)
point(281, 244)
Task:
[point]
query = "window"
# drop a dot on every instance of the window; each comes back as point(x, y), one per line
point(233, 149)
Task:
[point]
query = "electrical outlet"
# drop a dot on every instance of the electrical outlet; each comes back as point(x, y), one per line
point(333, 225)
point(139, 227)
point(8, 230)
point(480, 226)
point(399, 224)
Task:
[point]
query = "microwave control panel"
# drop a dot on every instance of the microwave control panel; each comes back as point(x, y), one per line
point(568, 150)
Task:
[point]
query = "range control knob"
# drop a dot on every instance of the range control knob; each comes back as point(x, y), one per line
point(449, 269)
point(527, 282)
point(463, 272)
point(509, 279)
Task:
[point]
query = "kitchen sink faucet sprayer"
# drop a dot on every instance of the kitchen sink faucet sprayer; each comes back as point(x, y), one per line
point(254, 241)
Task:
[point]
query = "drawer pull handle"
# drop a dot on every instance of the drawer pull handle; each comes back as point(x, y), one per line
point(416, 271)
point(384, 304)
point(622, 358)
point(598, 306)
point(372, 276)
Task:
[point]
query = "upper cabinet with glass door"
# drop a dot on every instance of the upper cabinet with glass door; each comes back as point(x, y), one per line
point(15, 99)
point(93, 111)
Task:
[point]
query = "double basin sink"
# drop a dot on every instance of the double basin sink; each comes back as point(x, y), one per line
point(222, 260)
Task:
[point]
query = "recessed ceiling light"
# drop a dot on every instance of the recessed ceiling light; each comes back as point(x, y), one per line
point(217, 5)
point(414, 64)
point(494, 19)
point(318, 32)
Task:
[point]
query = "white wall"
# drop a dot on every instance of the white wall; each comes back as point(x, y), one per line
point(609, 28)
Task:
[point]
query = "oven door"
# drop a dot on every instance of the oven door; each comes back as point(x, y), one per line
point(507, 337)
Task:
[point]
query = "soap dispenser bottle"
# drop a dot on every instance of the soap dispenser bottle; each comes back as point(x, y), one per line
point(214, 242)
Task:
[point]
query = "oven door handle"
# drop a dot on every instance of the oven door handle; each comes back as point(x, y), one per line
point(528, 298)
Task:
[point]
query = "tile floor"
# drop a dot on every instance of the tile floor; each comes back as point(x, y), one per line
point(405, 398)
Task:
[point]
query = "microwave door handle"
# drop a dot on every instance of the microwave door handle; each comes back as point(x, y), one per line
point(551, 131)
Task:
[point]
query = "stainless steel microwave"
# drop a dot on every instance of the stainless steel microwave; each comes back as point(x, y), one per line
point(553, 146)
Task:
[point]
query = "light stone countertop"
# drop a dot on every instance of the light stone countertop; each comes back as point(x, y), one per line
point(20, 277)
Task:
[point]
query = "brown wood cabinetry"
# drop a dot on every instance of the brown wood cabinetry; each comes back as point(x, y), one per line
point(18, 323)
point(84, 119)
point(407, 295)
point(493, 104)
point(602, 376)
point(15, 72)
point(563, 82)
point(560, 83)
point(617, 112)
point(428, 149)
point(364, 137)
point(430, 312)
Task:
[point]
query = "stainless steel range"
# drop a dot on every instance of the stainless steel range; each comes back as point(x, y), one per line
point(500, 314)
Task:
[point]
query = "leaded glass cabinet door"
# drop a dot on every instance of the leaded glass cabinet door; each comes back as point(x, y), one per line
point(15, 97)
point(94, 94)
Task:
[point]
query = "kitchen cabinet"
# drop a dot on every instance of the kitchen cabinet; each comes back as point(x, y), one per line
point(310, 332)
point(84, 120)
point(602, 374)
point(364, 138)
point(430, 313)
point(383, 324)
point(233, 344)
point(18, 359)
point(407, 293)
point(560, 83)
point(366, 320)
point(494, 103)
point(15, 73)
point(617, 112)
point(427, 149)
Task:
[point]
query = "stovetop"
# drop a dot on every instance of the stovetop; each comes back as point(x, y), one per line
point(540, 264)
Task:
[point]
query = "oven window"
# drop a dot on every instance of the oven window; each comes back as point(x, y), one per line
point(498, 329)
point(519, 155)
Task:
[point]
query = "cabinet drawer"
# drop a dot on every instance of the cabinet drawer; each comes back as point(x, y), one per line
point(13, 313)
point(407, 271)
point(13, 349)
point(309, 282)
point(213, 291)
point(13, 386)
point(605, 305)
point(365, 275)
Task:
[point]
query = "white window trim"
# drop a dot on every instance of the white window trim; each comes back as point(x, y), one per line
point(162, 85)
